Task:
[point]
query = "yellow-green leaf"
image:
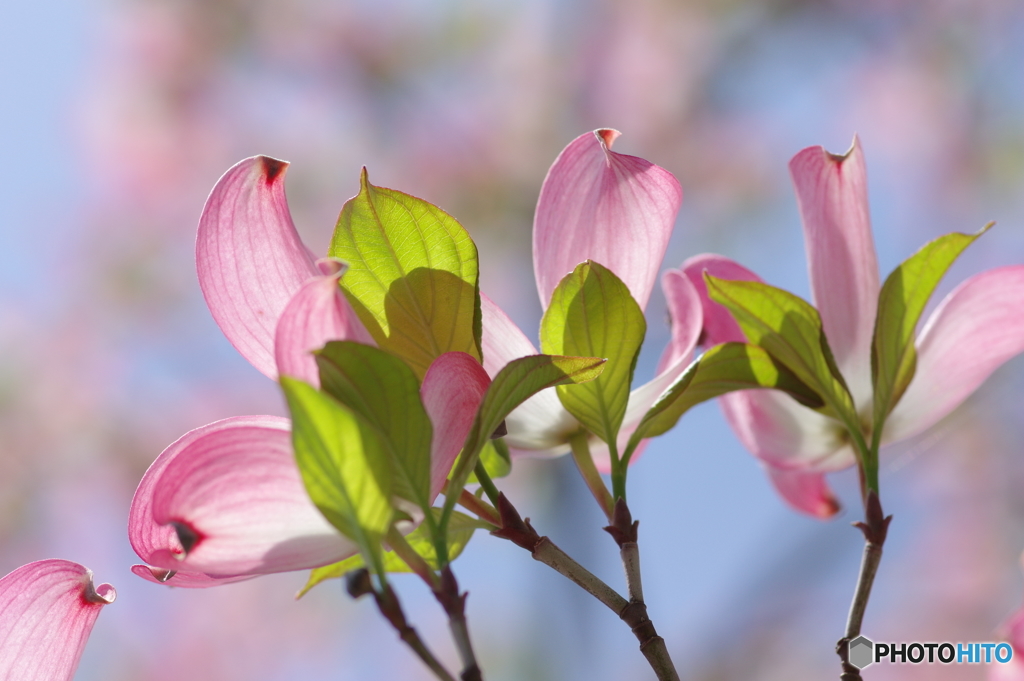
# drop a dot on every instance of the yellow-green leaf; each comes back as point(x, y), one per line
point(412, 275)
point(343, 465)
point(592, 313)
point(722, 369)
point(384, 391)
point(789, 328)
point(900, 304)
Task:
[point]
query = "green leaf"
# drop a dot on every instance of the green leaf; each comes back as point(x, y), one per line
point(789, 328)
point(519, 380)
point(495, 458)
point(592, 313)
point(412, 276)
point(722, 369)
point(900, 304)
point(460, 530)
point(343, 465)
point(384, 391)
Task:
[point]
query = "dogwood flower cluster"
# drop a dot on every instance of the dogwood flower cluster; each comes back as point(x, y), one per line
point(404, 379)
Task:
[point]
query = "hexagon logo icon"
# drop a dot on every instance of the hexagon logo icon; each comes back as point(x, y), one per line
point(861, 652)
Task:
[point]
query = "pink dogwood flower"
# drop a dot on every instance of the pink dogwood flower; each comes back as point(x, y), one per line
point(975, 329)
point(618, 211)
point(47, 610)
point(226, 501)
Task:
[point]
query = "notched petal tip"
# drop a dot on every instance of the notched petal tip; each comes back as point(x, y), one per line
point(104, 594)
point(840, 158)
point(272, 168)
point(607, 136)
point(616, 209)
point(47, 611)
point(332, 267)
point(160, 574)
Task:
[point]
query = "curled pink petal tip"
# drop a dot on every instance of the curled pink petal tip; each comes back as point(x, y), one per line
point(599, 205)
point(249, 258)
point(806, 492)
point(47, 610)
point(316, 314)
point(226, 500)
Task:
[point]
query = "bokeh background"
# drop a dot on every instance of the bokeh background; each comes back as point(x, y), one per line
point(117, 117)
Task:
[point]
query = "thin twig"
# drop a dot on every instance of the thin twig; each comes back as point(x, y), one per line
point(624, 531)
point(630, 554)
point(454, 605)
point(547, 552)
point(446, 590)
point(875, 528)
point(389, 606)
point(633, 613)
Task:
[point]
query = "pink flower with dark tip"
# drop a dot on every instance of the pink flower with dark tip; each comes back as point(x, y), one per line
point(226, 501)
point(619, 211)
point(970, 334)
point(47, 610)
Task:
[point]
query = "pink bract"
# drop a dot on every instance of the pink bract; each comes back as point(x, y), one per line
point(226, 501)
point(619, 211)
point(973, 331)
point(47, 610)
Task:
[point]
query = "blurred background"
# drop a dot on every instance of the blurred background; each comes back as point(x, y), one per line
point(117, 117)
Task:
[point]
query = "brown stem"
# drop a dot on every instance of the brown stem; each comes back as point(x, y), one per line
point(454, 605)
point(624, 531)
point(547, 552)
point(875, 528)
point(387, 603)
point(632, 612)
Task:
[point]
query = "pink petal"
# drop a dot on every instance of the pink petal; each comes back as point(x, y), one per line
point(687, 318)
point(250, 258)
point(186, 579)
point(974, 330)
point(47, 610)
point(771, 425)
point(502, 340)
point(719, 325)
point(232, 490)
point(318, 313)
point(833, 198)
point(614, 209)
point(684, 308)
point(541, 425)
point(452, 391)
point(806, 492)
